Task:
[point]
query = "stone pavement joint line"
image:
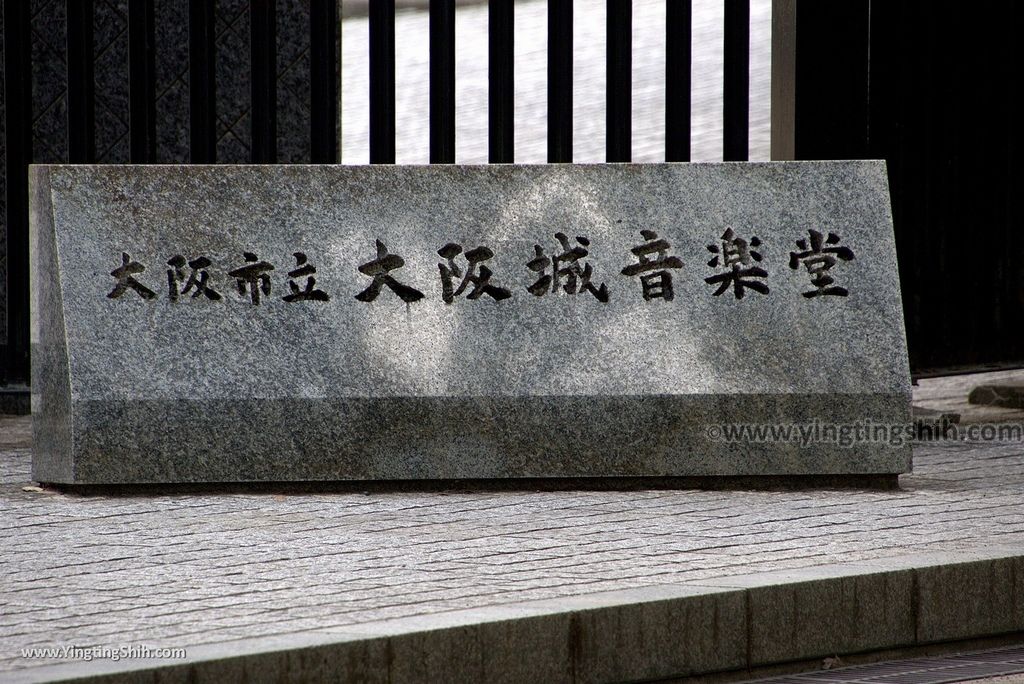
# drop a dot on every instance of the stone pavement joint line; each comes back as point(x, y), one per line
point(507, 586)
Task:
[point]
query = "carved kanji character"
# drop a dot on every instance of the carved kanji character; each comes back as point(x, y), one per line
point(659, 283)
point(380, 269)
point(736, 256)
point(819, 257)
point(252, 277)
point(568, 270)
point(198, 278)
point(309, 293)
point(481, 282)
point(125, 275)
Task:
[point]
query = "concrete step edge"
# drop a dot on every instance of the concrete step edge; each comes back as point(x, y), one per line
point(736, 623)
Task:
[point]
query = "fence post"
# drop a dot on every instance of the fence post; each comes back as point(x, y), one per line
point(382, 82)
point(783, 91)
point(263, 80)
point(323, 82)
point(442, 81)
point(81, 86)
point(559, 81)
point(678, 62)
point(500, 82)
point(141, 77)
point(618, 66)
point(736, 89)
point(202, 83)
point(14, 355)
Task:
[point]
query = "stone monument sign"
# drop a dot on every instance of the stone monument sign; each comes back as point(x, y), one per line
point(284, 323)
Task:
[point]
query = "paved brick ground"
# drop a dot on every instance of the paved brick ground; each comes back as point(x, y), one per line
point(182, 570)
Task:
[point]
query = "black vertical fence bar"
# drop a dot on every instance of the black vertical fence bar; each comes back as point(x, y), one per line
point(202, 83)
point(618, 114)
point(442, 81)
point(81, 88)
point(735, 99)
point(14, 363)
point(678, 51)
point(501, 81)
point(382, 82)
point(263, 81)
point(832, 85)
point(560, 81)
point(141, 75)
point(323, 81)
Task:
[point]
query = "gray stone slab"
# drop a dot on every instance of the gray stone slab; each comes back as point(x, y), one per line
point(541, 383)
point(863, 613)
point(990, 601)
point(648, 640)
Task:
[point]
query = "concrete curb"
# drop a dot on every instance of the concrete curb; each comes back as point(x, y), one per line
point(735, 623)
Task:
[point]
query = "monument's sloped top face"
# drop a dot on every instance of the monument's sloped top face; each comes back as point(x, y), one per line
point(470, 281)
point(707, 285)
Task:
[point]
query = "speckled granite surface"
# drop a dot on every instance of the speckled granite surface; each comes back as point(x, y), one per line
point(461, 322)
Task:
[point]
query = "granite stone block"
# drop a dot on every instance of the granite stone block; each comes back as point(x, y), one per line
point(865, 609)
point(484, 644)
point(862, 613)
point(680, 636)
point(990, 599)
point(527, 650)
point(253, 323)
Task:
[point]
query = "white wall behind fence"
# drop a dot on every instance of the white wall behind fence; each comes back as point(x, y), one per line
point(412, 87)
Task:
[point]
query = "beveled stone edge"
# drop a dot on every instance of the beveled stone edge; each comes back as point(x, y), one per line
point(376, 649)
point(51, 391)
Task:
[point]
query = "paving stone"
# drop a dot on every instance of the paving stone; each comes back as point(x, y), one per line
point(80, 569)
point(1004, 395)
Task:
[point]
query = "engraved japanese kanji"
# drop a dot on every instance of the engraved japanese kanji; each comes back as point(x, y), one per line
point(308, 293)
point(125, 275)
point(738, 260)
point(252, 277)
point(569, 271)
point(476, 274)
point(380, 270)
point(656, 280)
point(818, 257)
point(198, 278)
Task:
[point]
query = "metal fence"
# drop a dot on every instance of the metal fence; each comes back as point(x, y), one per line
point(79, 18)
point(209, 81)
point(928, 86)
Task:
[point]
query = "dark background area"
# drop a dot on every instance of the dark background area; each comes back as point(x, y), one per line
point(931, 88)
point(928, 86)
